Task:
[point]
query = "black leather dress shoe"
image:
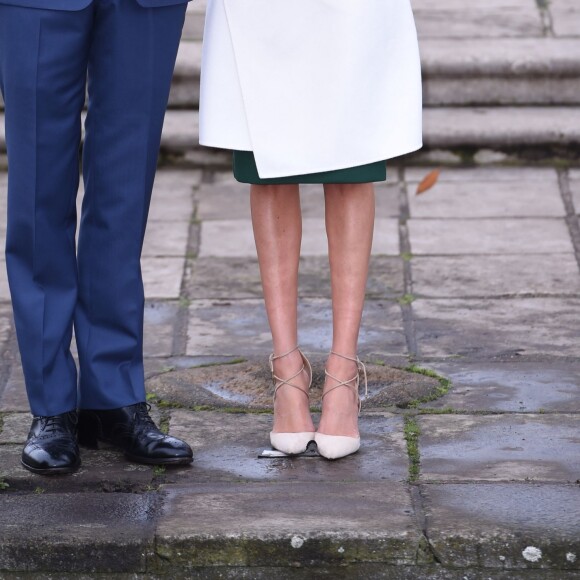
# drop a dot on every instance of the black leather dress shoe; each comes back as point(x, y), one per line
point(132, 429)
point(52, 445)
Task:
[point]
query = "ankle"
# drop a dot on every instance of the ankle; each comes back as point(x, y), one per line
point(342, 368)
point(288, 364)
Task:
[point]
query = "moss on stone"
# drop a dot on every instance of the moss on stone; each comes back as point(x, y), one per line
point(412, 433)
point(437, 393)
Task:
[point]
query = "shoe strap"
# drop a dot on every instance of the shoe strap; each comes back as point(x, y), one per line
point(280, 382)
point(356, 379)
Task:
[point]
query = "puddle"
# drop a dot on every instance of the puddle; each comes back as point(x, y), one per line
point(217, 388)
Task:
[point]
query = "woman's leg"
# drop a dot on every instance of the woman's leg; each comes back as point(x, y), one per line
point(350, 214)
point(277, 221)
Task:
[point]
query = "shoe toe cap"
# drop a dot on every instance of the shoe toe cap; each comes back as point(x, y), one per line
point(336, 446)
point(170, 447)
point(291, 443)
point(49, 457)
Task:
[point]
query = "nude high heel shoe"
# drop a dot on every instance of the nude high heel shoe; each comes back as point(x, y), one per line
point(337, 446)
point(291, 443)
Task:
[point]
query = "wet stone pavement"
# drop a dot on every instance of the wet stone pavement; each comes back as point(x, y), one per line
point(470, 464)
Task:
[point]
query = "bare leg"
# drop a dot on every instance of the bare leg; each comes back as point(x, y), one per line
point(277, 221)
point(350, 213)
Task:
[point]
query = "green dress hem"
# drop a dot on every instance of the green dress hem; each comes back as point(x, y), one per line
point(246, 171)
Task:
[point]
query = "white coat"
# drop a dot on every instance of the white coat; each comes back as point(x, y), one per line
point(311, 85)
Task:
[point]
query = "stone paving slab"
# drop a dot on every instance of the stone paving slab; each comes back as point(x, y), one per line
point(523, 386)
point(284, 523)
point(489, 236)
point(15, 428)
point(503, 175)
point(225, 200)
point(237, 278)
point(235, 238)
point(487, 328)
point(226, 448)
point(170, 181)
point(101, 471)
point(4, 291)
point(239, 328)
point(505, 527)
point(13, 398)
point(575, 187)
point(5, 324)
point(166, 239)
point(172, 198)
point(500, 448)
point(495, 276)
point(489, 199)
point(176, 207)
point(111, 532)
point(161, 319)
point(162, 277)
point(230, 200)
point(3, 211)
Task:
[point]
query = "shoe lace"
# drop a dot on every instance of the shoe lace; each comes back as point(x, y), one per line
point(50, 424)
point(280, 382)
point(143, 419)
point(348, 383)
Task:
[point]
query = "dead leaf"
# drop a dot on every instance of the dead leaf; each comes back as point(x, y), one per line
point(428, 181)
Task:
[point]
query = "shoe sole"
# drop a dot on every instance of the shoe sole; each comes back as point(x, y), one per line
point(52, 470)
point(135, 458)
point(165, 461)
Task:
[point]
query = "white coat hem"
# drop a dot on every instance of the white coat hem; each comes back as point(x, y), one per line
point(404, 150)
point(222, 145)
point(307, 170)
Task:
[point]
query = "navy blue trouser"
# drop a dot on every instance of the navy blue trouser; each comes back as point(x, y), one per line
point(128, 53)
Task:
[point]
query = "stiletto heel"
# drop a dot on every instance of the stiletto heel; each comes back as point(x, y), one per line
point(88, 430)
point(291, 443)
point(337, 446)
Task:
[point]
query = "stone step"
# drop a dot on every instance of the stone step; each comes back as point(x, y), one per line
point(455, 135)
point(484, 134)
point(474, 72)
point(456, 72)
point(450, 134)
point(506, 71)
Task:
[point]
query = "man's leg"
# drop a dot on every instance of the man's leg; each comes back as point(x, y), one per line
point(43, 59)
point(130, 68)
